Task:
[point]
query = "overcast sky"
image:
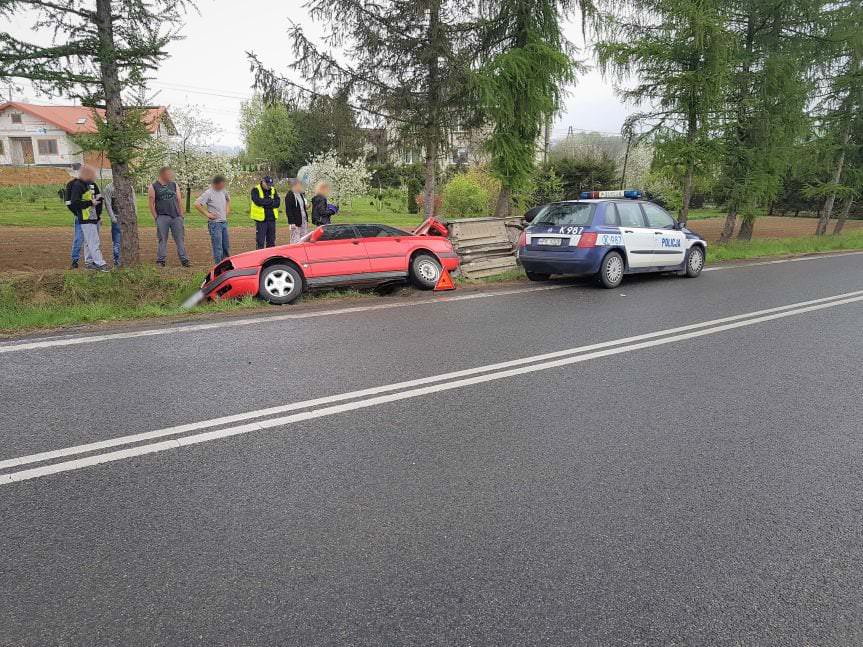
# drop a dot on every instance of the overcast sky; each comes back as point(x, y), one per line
point(209, 67)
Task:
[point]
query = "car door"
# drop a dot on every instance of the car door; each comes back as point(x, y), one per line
point(387, 247)
point(637, 238)
point(337, 253)
point(669, 244)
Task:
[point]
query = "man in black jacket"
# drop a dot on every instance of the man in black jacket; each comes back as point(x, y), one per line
point(85, 201)
point(295, 211)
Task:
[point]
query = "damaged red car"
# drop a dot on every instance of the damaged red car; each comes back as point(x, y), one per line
point(335, 255)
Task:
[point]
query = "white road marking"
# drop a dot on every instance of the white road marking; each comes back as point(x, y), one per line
point(621, 346)
point(340, 397)
point(74, 340)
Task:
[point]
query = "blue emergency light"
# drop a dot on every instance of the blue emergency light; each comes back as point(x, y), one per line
point(632, 194)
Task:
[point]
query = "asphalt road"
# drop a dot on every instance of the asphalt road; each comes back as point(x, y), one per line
point(684, 469)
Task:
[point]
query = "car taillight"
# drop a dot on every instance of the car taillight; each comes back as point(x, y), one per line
point(587, 239)
point(522, 240)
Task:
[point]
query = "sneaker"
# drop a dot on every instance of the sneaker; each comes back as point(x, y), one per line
point(103, 268)
point(91, 266)
point(186, 263)
point(74, 265)
point(160, 263)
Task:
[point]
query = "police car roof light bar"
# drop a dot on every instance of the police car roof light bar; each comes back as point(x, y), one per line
point(632, 194)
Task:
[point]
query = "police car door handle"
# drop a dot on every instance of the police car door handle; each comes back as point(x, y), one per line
point(659, 233)
point(627, 231)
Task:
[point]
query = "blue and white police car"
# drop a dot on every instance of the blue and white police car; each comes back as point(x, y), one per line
point(608, 234)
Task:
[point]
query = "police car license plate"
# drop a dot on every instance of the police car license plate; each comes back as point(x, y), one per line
point(549, 241)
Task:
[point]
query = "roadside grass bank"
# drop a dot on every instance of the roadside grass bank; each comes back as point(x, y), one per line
point(56, 298)
point(784, 246)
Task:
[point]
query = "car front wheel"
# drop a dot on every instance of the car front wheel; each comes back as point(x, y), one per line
point(611, 271)
point(425, 271)
point(280, 284)
point(694, 261)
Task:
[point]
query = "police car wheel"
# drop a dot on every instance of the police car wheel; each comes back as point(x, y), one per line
point(611, 270)
point(425, 271)
point(694, 261)
point(537, 276)
point(280, 284)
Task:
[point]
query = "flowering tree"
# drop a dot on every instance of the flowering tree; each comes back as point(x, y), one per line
point(347, 180)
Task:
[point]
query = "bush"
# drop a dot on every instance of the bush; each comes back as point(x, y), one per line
point(385, 176)
point(545, 186)
point(465, 197)
point(586, 174)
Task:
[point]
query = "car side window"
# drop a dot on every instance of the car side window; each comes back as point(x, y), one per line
point(657, 217)
point(378, 231)
point(338, 232)
point(610, 216)
point(629, 214)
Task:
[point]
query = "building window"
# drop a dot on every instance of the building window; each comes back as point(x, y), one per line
point(16, 117)
point(47, 146)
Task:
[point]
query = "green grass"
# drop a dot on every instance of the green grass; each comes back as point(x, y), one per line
point(40, 206)
point(785, 246)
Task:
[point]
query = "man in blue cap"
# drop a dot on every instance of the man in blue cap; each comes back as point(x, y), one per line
point(264, 210)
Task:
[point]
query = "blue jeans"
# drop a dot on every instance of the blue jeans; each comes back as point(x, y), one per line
point(219, 239)
point(77, 242)
point(115, 240)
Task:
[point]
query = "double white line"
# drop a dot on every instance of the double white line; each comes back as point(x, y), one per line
point(224, 427)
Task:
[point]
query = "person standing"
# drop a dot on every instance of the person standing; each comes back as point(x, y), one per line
point(215, 205)
point(166, 207)
point(85, 201)
point(295, 211)
point(264, 210)
point(322, 211)
point(108, 197)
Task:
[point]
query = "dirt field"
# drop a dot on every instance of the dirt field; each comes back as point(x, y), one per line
point(38, 248)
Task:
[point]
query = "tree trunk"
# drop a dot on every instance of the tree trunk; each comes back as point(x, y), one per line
point(728, 227)
point(746, 227)
point(843, 215)
point(188, 198)
point(504, 203)
point(625, 163)
point(431, 173)
point(115, 118)
point(824, 220)
point(687, 192)
point(433, 130)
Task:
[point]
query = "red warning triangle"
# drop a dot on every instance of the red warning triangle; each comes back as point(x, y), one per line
point(444, 282)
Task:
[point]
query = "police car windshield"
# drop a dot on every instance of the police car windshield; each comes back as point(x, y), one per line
point(565, 213)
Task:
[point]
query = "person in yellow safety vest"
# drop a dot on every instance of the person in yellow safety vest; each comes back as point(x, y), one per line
point(264, 210)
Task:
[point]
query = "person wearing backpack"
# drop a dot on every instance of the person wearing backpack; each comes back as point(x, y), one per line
point(84, 200)
point(110, 206)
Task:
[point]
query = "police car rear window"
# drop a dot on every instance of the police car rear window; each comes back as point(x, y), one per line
point(566, 213)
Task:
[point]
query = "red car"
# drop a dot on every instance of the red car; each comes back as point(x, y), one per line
point(335, 255)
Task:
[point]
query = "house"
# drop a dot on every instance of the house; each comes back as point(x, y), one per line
point(40, 135)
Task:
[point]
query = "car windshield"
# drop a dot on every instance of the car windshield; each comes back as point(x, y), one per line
point(565, 213)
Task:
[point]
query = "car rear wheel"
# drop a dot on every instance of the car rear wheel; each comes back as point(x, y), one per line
point(537, 276)
point(611, 271)
point(280, 284)
point(694, 261)
point(425, 271)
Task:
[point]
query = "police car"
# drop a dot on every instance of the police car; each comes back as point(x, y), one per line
point(608, 234)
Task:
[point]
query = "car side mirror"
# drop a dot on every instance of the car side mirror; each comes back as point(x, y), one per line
point(679, 225)
point(530, 214)
point(317, 234)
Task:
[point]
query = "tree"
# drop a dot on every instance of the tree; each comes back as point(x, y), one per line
point(188, 156)
point(347, 180)
point(766, 104)
point(679, 50)
point(520, 86)
point(270, 134)
point(99, 49)
point(409, 64)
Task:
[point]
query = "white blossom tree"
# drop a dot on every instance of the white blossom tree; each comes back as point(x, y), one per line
point(347, 180)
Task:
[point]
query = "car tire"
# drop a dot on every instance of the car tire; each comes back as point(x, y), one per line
point(425, 271)
point(280, 284)
point(611, 270)
point(537, 276)
point(694, 262)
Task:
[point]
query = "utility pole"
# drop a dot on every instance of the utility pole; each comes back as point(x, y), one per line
point(625, 162)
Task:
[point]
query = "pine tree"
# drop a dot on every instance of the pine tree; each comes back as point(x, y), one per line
point(409, 63)
point(679, 51)
point(100, 49)
point(528, 61)
point(766, 102)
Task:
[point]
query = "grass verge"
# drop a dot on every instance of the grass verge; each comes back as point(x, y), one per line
point(785, 246)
